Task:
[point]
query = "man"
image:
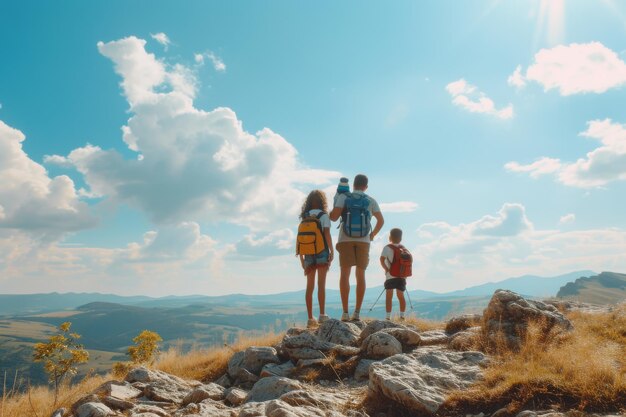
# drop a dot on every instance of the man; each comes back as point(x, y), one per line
point(354, 251)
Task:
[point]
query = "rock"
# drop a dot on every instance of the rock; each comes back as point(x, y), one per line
point(508, 314)
point(271, 388)
point(307, 346)
point(211, 390)
point(169, 393)
point(252, 410)
point(361, 373)
point(464, 322)
point(93, 409)
point(145, 375)
point(433, 337)
point(280, 408)
point(255, 358)
point(298, 354)
point(58, 413)
point(377, 325)
point(465, 340)
point(117, 389)
point(306, 363)
point(144, 415)
point(236, 396)
point(234, 364)
point(90, 398)
point(380, 345)
point(207, 408)
point(224, 381)
point(421, 380)
point(272, 369)
point(409, 339)
point(143, 409)
point(117, 404)
point(339, 332)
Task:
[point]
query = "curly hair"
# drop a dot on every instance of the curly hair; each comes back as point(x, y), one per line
point(315, 200)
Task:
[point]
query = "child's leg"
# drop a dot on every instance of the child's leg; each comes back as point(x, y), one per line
point(388, 301)
point(321, 289)
point(308, 297)
point(402, 301)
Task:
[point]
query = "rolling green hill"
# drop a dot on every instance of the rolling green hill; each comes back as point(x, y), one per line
point(605, 288)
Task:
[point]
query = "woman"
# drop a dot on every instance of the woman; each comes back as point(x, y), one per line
point(315, 206)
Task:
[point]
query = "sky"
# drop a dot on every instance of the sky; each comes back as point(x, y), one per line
point(158, 147)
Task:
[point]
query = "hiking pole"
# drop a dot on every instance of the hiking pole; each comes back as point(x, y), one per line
point(381, 293)
point(409, 295)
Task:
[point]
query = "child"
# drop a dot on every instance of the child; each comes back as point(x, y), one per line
point(315, 206)
point(342, 188)
point(387, 258)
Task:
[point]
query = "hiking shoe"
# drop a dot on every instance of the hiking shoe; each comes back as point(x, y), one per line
point(322, 318)
point(355, 316)
point(345, 317)
point(311, 323)
point(401, 318)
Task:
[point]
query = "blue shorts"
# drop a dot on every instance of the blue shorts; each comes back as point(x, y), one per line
point(316, 261)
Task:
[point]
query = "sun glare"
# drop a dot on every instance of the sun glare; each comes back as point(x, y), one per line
point(550, 24)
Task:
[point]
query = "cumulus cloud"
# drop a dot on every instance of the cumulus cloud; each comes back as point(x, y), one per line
point(30, 200)
point(216, 61)
point(399, 207)
point(274, 243)
point(471, 99)
point(599, 167)
point(195, 164)
point(508, 244)
point(161, 38)
point(568, 218)
point(574, 69)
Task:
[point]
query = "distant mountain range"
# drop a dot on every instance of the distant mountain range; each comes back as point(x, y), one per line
point(605, 288)
point(528, 285)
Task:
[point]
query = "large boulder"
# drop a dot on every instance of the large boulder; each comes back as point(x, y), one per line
point(272, 369)
point(465, 340)
point(307, 346)
point(271, 388)
point(255, 357)
point(421, 380)
point(509, 314)
point(336, 331)
point(433, 337)
point(380, 345)
point(211, 390)
point(93, 409)
point(408, 338)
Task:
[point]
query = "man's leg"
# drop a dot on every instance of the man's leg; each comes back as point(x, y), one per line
point(402, 302)
point(360, 288)
point(344, 286)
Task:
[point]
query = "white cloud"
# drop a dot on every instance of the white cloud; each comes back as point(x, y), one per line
point(274, 243)
point(205, 163)
point(517, 78)
point(536, 169)
point(32, 201)
point(471, 99)
point(599, 167)
point(507, 244)
point(399, 207)
point(574, 69)
point(161, 38)
point(216, 61)
point(568, 218)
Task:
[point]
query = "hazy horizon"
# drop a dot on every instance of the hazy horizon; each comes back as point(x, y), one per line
point(161, 148)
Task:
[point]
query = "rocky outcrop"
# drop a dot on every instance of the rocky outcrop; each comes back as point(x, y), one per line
point(421, 380)
point(464, 322)
point(339, 332)
point(508, 315)
point(380, 345)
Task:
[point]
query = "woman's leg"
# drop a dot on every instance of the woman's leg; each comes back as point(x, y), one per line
point(308, 296)
point(321, 289)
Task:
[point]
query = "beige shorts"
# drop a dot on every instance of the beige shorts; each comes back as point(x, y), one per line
point(354, 254)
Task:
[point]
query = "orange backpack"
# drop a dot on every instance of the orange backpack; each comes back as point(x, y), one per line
point(310, 239)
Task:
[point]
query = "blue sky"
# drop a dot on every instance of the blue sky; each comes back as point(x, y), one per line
point(467, 116)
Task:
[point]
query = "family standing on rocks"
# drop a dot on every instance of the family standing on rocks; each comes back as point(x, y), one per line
point(315, 246)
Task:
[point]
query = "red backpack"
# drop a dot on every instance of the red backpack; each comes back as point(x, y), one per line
point(402, 264)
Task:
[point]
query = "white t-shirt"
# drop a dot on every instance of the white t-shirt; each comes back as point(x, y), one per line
point(324, 220)
point(373, 208)
point(387, 253)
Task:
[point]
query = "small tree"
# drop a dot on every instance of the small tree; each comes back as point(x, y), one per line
point(60, 355)
point(146, 347)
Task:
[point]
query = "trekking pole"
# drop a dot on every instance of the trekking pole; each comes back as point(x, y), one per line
point(381, 293)
point(408, 295)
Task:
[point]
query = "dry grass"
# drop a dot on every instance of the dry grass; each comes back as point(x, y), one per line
point(423, 325)
point(208, 364)
point(584, 370)
point(39, 401)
